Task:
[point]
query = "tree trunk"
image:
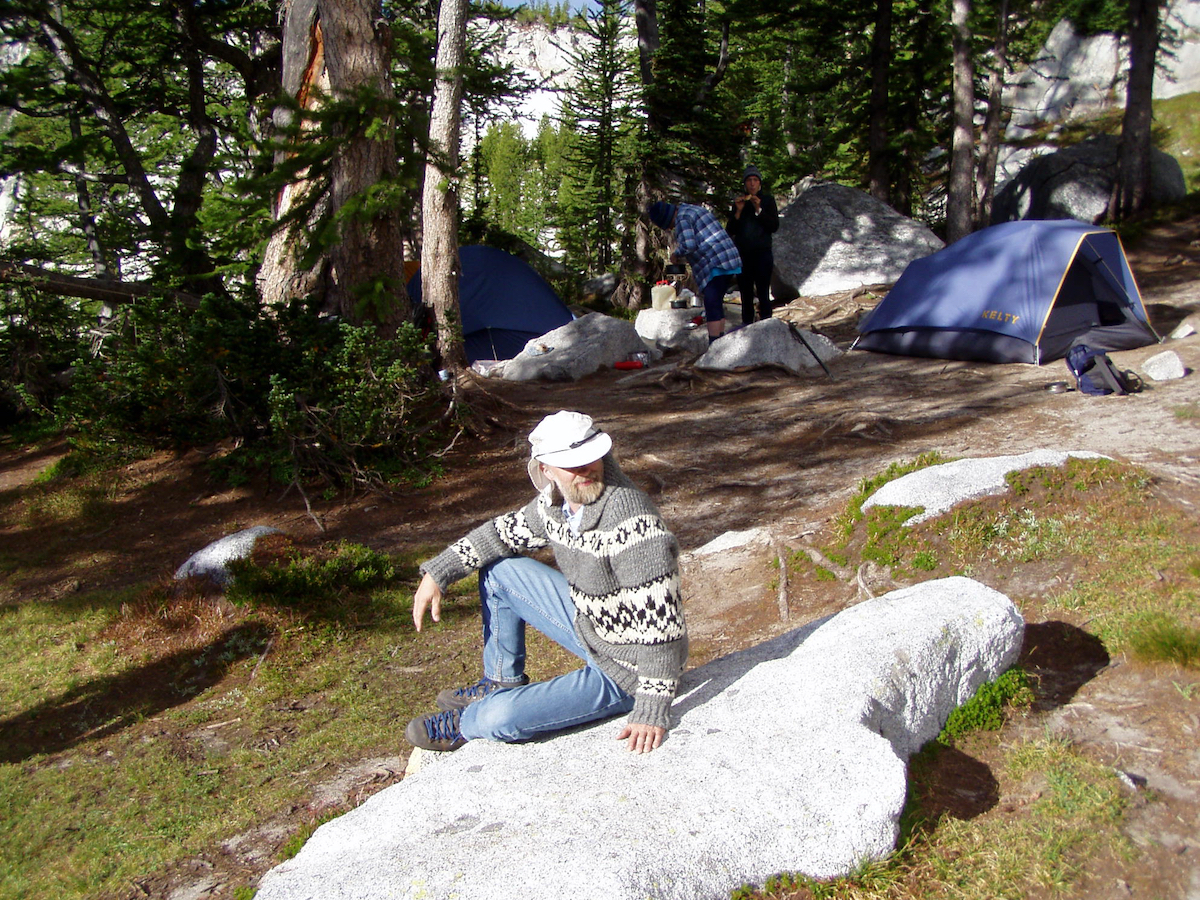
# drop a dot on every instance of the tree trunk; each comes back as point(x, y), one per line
point(342, 49)
point(645, 14)
point(1131, 192)
point(87, 220)
point(962, 151)
point(878, 168)
point(440, 265)
point(303, 77)
point(989, 145)
point(367, 265)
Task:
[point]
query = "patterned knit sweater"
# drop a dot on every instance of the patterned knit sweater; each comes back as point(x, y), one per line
point(623, 570)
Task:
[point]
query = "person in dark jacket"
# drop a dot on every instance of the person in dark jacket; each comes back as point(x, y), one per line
point(752, 221)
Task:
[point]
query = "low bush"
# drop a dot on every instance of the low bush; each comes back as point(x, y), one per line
point(304, 397)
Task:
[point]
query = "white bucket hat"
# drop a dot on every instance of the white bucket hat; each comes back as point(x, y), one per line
point(566, 440)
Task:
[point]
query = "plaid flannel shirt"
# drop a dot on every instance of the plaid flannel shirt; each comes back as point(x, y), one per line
point(700, 239)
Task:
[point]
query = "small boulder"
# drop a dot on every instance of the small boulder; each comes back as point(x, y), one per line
point(672, 329)
point(577, 349)
point(601, 286)
point(769, 343)
point(213, 561)
point(1165, 366)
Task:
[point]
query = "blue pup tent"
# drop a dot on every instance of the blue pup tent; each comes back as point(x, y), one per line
point(1016, 292)
point(504, 303)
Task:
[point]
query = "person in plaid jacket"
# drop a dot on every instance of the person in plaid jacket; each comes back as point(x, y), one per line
point(708, 249)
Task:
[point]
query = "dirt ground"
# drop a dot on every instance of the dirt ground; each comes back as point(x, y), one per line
point(766, 449)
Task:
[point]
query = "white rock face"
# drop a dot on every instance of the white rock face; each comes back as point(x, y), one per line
point(1181, 73)
point(938, 488)
point(544, 55)
point(1075, 77)
point(786, 757)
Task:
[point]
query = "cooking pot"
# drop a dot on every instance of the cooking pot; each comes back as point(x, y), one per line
point(675, 269)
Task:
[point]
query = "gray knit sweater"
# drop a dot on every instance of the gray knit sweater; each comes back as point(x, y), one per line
point(623, 569)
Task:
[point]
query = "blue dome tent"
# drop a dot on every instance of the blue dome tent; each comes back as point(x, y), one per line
point(503, 301)
point(1016, 292)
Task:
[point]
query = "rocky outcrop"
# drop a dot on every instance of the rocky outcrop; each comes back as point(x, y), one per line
point(1076, 183)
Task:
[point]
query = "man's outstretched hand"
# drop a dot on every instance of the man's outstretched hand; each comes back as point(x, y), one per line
point(427, 597)
point(642, 738)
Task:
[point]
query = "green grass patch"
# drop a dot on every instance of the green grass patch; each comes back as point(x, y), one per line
point(1160, 638)
point(988, 708)
point(853, 513)
point(1074, 815)
point(1188, 412)
point(1177, 129)
point(143, 729)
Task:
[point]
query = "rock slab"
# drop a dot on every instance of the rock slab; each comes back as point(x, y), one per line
point(789, 756)
point(938, 488)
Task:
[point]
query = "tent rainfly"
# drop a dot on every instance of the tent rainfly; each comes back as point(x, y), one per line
point(1016, 292)
point(503, 301)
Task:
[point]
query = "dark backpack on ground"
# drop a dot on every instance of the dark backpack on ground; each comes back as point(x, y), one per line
point(1095, 373)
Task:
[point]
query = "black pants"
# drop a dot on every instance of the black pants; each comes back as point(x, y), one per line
point(755, 278)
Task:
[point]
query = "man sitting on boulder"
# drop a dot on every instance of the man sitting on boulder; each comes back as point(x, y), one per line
point(615, 603)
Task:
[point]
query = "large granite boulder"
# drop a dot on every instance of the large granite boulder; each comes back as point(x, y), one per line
point(834, 238)
point(577, 349)
point(1076, 183)
point(790, 756)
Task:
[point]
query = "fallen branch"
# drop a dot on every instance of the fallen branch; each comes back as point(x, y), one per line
point(782, 596)
point(820, 559)
point(105, 291)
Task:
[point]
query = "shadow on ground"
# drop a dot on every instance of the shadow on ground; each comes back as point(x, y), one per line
point(103, 706)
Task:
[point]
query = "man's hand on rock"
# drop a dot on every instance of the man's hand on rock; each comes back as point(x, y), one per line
point(642, 738)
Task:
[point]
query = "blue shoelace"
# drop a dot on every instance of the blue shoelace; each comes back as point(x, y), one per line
point(481, 688)
point(443, 726)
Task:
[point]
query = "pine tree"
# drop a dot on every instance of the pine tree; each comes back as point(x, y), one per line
point(600, 114)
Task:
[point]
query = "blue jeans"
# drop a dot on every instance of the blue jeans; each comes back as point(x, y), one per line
point(714, 297)
point(514, 592)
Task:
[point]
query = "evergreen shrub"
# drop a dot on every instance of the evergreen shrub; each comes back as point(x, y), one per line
point(304, 397)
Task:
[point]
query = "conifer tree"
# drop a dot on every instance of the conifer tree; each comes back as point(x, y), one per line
point(600, 115)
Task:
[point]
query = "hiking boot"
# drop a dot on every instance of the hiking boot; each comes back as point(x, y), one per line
point(438, 732)
point(461, 698)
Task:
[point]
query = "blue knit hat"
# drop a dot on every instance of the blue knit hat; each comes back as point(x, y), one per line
point(661, 213)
